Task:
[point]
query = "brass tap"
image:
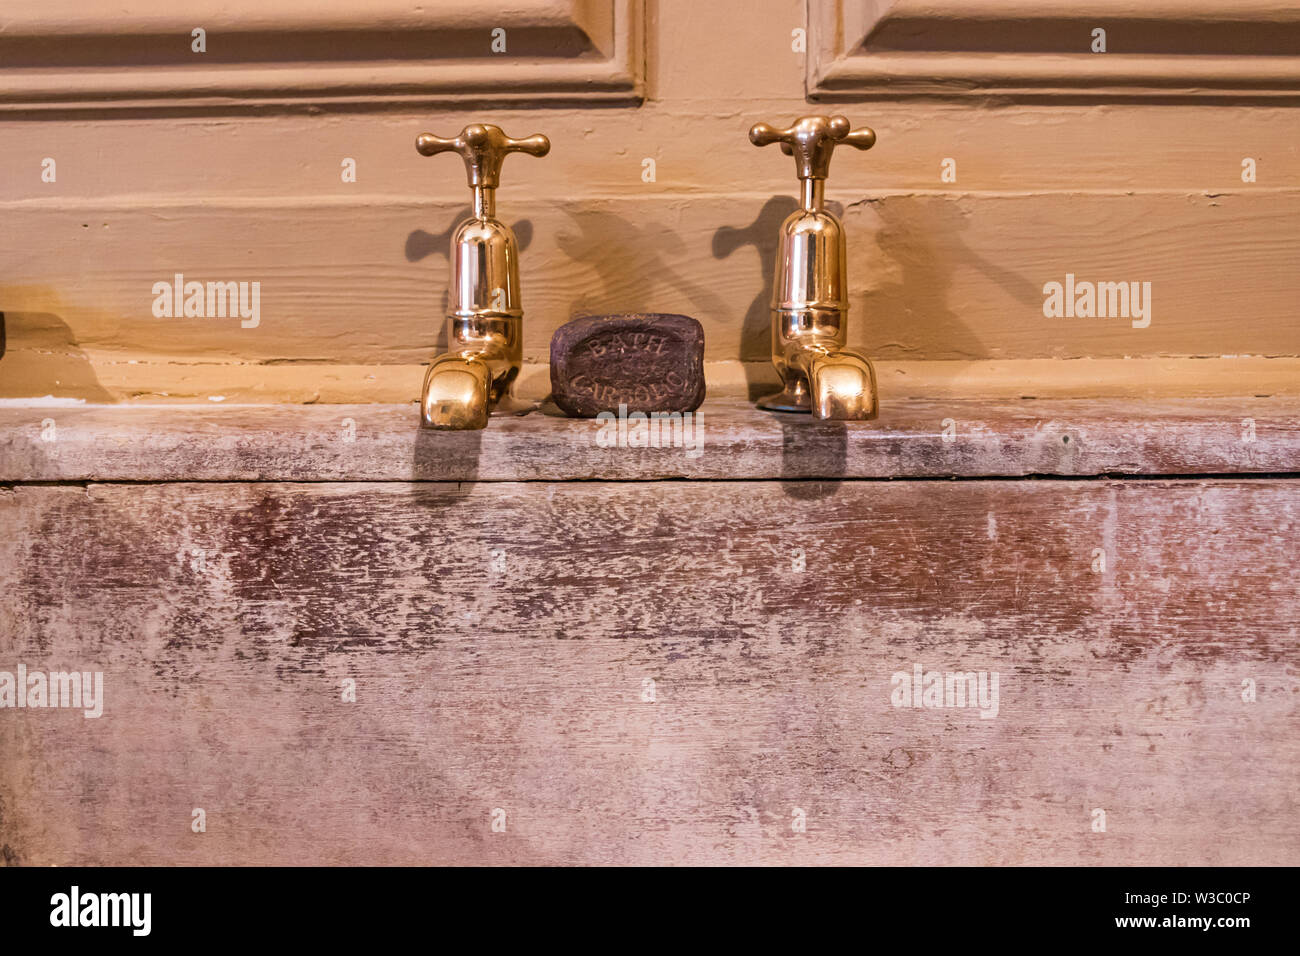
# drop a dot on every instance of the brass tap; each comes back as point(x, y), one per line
point(810, 302)
point(484, 317)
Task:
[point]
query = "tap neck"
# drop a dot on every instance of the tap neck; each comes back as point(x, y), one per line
point(485, 202)
point(814, 194)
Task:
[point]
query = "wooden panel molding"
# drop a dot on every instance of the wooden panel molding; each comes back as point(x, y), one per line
point(140, 54)
point(1160, 49)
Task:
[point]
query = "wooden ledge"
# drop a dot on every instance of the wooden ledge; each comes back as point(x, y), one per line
point(140, 379)
point(911, 439)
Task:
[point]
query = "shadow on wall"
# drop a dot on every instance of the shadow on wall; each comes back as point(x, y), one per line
point(631, 263)
point(420, 245)
point(764, 234)
point(39, 356)
point(909, 309)
point(915, 247)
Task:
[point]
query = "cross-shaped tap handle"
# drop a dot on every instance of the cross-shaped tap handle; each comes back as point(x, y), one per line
point(812, 139)
point(483, 147)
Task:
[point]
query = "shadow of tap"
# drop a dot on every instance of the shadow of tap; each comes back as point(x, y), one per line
point(814, 455)
point(917, 251)
point(631, 262)
point(764, 234)
point(42, 357)
point(434, 449)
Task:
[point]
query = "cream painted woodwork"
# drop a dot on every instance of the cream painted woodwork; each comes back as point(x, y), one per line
point(143, 53)
point(229, 165)
point(1092, 49)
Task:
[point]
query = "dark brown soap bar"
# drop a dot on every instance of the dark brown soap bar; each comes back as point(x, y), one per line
point(648, 361)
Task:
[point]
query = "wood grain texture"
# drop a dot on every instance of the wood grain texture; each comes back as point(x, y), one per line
point(697, 136)
point(911, 439)
point(933, 276)
point(354, 272)
point(522, 690)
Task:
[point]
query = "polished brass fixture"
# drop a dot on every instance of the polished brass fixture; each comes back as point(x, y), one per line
point(810, 301)
point(484, 318)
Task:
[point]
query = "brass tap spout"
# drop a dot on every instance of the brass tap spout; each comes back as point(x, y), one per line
point(484, 317)
point(810, 302)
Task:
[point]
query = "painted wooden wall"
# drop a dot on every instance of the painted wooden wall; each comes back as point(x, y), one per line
point(228, 165)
